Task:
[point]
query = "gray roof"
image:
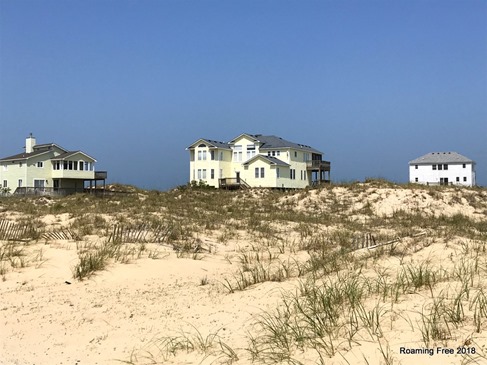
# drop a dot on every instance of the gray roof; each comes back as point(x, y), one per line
point(23, 155)
point(39, 149)
point(273, 142)
point(441, 157)
point(270, 159)
point(214, 143)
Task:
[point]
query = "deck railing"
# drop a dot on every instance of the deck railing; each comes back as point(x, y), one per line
point(51, 191)
point(318, 165)
point(232, 183)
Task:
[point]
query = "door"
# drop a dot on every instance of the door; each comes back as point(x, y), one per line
point(38, 183)
point(56, 184)
point(238, 177)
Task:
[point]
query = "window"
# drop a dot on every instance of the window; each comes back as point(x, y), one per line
point(212, 155)
point(201, 155)
point(262, 172)
point(434, 167)
point(237, 153)
point(440, 166)
point(273, 153)
point(4, 183)
point(5, 167)
point(194, 174)
point(277, 172)
point(278, 153)
point(221, 156)
point(256, 172)
point(268, 153)
point(87, 166)
point(199, 174)
point(415, 179)
point(458, 179)
point(295, 154)
point(75, 163)
point(81, 165)
point(212, 173)
point(20, 183)
point(250, 151)
point(40, 164)
point(292, 174)
point(465, 179)
point(464, 165)
point(416, 167)
point(38, 183)
point(445, 167)
point(204, 174)
point(20, 164)
point(70, 165)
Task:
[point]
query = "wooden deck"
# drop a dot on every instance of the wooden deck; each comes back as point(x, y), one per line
point(232, 183)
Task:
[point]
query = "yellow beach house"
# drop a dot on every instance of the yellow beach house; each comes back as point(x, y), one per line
point(48, 169)
point(255, 160)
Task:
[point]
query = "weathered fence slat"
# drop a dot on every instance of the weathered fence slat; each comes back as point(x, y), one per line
point(139, 234)
point(15, 231)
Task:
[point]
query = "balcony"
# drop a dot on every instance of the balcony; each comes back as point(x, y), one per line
point(318, 165)
point(101, 175)
point(73, 174)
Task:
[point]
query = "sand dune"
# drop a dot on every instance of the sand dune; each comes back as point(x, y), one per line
point(189, 299)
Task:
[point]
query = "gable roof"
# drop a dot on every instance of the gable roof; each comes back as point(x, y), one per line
point(269, 159)
point(48, 146)
point(441, 157)
point(24, 155)
point(212, 143)
point(40, 149)
point(273, 142)
point(68, 154)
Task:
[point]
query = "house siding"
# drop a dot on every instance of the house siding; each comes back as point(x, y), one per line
point(26, 169)
point(239, 160)
point(426, 175)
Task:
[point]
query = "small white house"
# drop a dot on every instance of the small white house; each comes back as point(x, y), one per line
point(254, 160)
point(442, 168)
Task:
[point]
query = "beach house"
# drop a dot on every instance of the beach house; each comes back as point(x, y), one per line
point(48, 169)
point(442, 168)
point(255, 160)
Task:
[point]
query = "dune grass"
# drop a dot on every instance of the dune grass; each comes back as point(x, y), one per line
point(342, 297)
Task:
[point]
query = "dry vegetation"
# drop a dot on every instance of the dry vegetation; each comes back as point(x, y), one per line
point(318, 296)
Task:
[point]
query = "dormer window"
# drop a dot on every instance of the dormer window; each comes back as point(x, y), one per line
point(40, 164)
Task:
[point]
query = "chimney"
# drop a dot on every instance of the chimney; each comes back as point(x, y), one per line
point(30, 142)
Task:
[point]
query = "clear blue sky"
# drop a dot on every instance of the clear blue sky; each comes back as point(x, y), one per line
point(372, 84)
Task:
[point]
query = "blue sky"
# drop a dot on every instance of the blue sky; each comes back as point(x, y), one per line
point(372, 84)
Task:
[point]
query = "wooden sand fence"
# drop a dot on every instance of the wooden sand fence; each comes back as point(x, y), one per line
point(143, 233)
point(62, 234)
point(12, 231)
point(368, 241)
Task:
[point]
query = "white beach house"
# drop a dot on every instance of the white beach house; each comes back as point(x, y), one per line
point(48, 169)
point(254, 160)
point(442, 168)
